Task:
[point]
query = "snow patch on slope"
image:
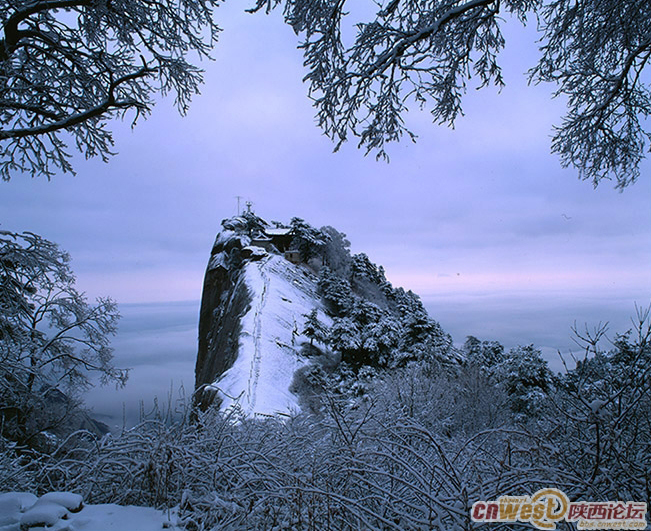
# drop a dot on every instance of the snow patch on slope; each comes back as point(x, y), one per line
point(269, 344)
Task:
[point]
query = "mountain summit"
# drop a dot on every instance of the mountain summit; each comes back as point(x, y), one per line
point(283, 302)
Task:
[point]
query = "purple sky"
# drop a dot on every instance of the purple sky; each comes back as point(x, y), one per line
point(482, 210)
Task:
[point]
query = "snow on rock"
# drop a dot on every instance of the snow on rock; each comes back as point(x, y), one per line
point(43, 514)
point(217, 260)
point(24, 500)
point(223, 237)
point(258, 382)
point(228, 237)
point(111, 517)
point(596, 405)
point(23, 511)
point(72, 502)
point(253, 252)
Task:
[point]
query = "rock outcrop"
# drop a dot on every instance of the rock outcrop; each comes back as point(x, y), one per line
point(225, 299)
point(253, 337)
point(253, 312)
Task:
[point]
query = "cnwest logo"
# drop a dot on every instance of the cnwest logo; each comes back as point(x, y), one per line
point(549, 506)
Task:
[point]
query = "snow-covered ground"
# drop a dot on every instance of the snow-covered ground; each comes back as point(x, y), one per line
point(259, 380)
point(65, 511)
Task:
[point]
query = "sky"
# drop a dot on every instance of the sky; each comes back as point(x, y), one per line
point(480, 220)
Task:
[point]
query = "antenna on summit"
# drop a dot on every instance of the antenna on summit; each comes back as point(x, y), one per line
point(238, 197)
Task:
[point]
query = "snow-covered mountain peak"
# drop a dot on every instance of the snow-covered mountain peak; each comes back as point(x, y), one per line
point(279, 297)
point(252, 318)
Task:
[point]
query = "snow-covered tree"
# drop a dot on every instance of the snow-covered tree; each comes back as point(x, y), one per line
point(487, 355)
point(336, 292)
point(381, 340)
point(365, 338)
point(369, 280)
point(426, 53)
point(309, 241)
point(526, 379)
point(67, 66)
point(51, 338)
point(313, 328)
point(364, 312)
point(363, 268)
point(344, 336)
point(336, 253)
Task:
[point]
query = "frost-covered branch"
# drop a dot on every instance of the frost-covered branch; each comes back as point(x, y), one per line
point(66, 66)
point(51, 337)
point(366, 69)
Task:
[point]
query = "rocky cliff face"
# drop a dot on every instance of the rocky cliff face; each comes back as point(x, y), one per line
point(224, 300)
point(252, 314)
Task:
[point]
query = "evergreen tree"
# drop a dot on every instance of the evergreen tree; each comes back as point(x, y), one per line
point(310, 242)
point(526, 379)
point(336, 293)
point(313, 328)
point(363, 268)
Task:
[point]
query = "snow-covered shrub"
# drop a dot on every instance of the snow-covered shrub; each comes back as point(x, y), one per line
point(454, 403)
point(600, 417)
point(16, 471)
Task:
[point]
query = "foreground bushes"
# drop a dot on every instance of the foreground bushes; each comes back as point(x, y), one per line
point(362, 467)
point(414, 452)
point(355, 468)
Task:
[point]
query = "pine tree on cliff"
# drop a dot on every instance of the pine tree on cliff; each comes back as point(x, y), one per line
point(313, 328)
point(310, 242)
